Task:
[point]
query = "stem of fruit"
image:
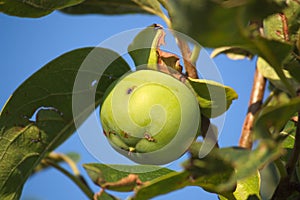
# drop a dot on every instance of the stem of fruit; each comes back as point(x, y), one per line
point(77, 180)
point(255, 103)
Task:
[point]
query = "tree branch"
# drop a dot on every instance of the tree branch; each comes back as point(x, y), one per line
point(186, 54)
point(77, 180)
point(257, 93)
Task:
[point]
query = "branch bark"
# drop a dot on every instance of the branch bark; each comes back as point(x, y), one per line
point(186, 54)
point(254, 105)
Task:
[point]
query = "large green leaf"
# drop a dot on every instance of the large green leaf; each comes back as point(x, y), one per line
point(228, 20)
point(228, 25)
point(109, 176)
point(214, 98)
point(108, 7)
point(34, 8)
point(38, 116)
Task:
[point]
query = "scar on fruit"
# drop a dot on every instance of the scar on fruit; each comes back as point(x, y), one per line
point(149, 137)
point(125, 135)
point(129, 91)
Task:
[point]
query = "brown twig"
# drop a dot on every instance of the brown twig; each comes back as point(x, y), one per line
point(255, 102)
point(285, 27)
point(186, 54)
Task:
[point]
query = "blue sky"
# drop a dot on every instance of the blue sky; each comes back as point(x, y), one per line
point(28, 44)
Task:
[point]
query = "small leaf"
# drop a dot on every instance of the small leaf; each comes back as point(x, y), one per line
point(110, 176)
point(143, 48)
point(108, 7)
point(38, 116)
point(272, 119)
point(268, 72)
point(34, 8)
point(214, 98)
point(289, 131)
point(247, 188)
point(234, 53)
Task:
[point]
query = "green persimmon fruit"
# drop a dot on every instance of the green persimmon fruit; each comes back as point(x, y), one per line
point(150, 117)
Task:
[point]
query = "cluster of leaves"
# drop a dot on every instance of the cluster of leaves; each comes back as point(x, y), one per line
point(268, 29)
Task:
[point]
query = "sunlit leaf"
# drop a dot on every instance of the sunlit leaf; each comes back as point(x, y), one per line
point(247, 188)
point(268, 72)
point(38, 116)
point(289, 131)
point(234, 53)
point(143, 47)
point(109, 176)
point(165, 184)
point(214, 98)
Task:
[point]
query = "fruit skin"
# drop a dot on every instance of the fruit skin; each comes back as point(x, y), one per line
point(150, 117)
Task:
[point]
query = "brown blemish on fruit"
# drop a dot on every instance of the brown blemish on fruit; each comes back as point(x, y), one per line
point(149, 137)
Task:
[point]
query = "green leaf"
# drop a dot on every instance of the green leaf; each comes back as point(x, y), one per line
point(234, 53)
point(268, 72)
point(42, 166)
point(289, 131)
point(272, 119)
point(34, 8)
point(38, 116)
point(273, 25)
point(108, 7)
point(162, 185)
point(232, 17)
point(214, 98)
point(245, 162)
point(190, 17)
point(106, 196)
point(247, 188)
point(109, 176)
point(143, 48)
point(152, 6)
point(293, 67)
